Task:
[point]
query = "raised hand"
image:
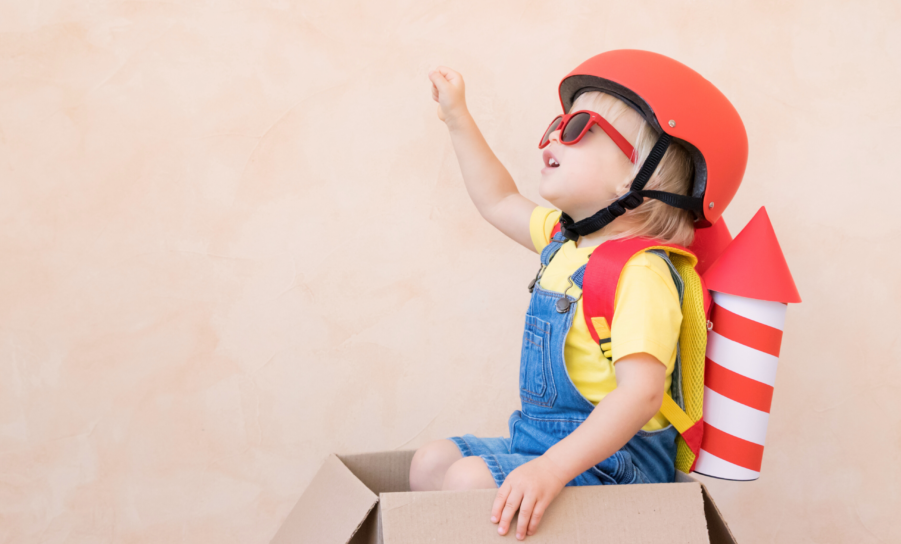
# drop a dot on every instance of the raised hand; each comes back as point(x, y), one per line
point(449, 91)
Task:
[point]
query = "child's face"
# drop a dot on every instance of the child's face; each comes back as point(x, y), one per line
point(592, 172)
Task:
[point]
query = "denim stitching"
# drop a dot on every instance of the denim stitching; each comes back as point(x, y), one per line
point(548, 394)
point(495, 468)
point(464, 446)
point(538, 324)
point(537, 402)
point(553, 419)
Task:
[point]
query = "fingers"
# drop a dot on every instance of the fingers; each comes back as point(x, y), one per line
point(446, 72)
point(437, 78)
point(525, 515)
point(510, 507)
point(451, 76)
point(435, 95)
point(537, 514)
point(499, 501)
point(442, 75)
point(448, 90)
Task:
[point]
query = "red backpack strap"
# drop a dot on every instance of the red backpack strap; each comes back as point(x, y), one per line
point(555, 230)
point(602, 273)
point(708, 300)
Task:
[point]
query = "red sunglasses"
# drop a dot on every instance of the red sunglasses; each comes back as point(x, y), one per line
point(574, 125)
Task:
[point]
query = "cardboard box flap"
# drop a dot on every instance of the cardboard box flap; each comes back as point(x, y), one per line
point(717, 527)
point(716, 524)
point(330, 510)
point(642, 513)
point(382, 472)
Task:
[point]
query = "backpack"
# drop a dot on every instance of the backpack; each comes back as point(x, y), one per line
point(683, 405)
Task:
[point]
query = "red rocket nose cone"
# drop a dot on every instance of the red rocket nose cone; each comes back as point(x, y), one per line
point(753, 265)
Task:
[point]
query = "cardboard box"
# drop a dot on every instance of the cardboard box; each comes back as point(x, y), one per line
point(366, 499)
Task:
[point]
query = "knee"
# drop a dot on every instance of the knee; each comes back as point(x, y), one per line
point(429, 464)
point(468, 473)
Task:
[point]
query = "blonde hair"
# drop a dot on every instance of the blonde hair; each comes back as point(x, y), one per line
point(653, 219)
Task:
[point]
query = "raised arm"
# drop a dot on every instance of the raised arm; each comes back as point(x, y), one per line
point(489, 184)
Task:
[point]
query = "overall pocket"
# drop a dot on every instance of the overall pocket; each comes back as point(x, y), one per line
point(536, 382)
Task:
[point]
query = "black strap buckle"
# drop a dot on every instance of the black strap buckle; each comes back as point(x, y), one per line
point(571, 229)
point(568, 233)
point(630, 200)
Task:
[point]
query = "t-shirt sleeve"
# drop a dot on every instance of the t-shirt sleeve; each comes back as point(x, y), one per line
point(541, 224)
point(647, 316)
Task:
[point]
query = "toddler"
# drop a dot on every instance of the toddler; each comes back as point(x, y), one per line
point(564, 435)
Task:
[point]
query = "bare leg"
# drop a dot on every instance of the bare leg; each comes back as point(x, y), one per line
point(468, 473)
point(430, 463)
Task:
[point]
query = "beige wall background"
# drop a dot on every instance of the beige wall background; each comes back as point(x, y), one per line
point(235, 238)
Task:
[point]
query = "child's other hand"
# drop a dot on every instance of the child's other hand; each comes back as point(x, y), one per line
point(449, 91)
point(530, 488)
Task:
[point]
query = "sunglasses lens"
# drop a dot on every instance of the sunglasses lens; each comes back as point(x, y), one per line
point(551, 129)
point(574, 127)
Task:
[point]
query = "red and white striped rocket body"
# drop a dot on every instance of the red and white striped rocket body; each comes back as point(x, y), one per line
point(750, 284)
point(740, 373)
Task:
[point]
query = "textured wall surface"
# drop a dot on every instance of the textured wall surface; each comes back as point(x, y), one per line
point(235, 238)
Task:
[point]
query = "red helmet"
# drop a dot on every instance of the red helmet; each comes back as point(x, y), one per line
point(675, 100)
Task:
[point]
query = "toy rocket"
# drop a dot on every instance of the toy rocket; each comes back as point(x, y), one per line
point(751, 285)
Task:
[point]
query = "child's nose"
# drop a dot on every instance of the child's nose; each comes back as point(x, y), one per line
point(554, 136)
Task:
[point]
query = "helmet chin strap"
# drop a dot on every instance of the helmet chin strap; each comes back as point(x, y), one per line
point(572, 230)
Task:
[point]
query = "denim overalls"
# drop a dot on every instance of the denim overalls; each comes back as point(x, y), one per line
point(552, 407)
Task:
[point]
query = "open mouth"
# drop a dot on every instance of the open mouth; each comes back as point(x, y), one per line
point(550, 161)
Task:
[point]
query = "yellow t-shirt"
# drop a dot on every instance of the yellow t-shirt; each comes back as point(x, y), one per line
point(647, 314)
